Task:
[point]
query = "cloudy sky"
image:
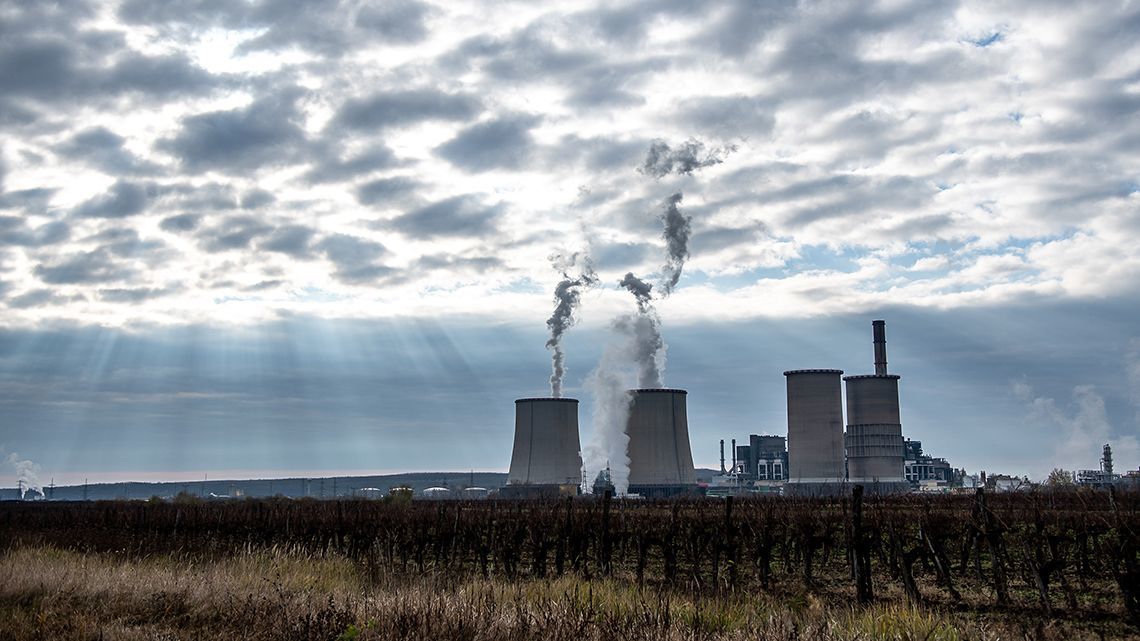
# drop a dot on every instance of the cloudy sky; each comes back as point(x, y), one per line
point(283, 237)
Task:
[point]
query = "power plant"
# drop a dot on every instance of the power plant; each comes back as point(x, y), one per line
point(660, 459)
point(874, 430)
point(815, 431)
point(821, 457)
point(546, 459)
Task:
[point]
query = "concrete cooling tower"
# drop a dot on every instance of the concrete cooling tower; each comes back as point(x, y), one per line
point(815, 432)
point(546, 460)
point(874, 430)
point(660, 459)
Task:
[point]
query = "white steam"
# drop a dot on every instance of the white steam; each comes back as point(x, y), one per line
point(27, 473)
point(1080, 430)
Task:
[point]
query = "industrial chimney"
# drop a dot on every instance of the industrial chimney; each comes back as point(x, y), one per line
point(660, 459)
point(874, 429)
point(546, 460)
point(879, 334)
point(815, 432)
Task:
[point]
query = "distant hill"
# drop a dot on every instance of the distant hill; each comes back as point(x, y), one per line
point(328, 487)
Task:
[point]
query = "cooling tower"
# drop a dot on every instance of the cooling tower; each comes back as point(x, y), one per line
point(660, 459)
point(874, 431)
point(547, 455)
point(815, 432)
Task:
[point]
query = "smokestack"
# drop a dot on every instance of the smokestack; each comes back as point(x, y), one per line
point(722, 456)
point(734, 456)
point(880, 331)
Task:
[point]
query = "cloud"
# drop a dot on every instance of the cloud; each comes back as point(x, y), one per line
point(37, 298)
point(132, 295)
point(181, 222)
point(123, 199)
point(232, 233)
point(126, 243)
point(464, 215)
point(268, 132)
point(338, 169)
point(256, 199)
point(355, 258)
point(15, 231)
point(503, 143)
point(46, 68)
point(458, 264)
point(78, 268)
point(405, 107)
point(728, 116)
point(743, 25)
point(397, 21)
point(386, 191)
point(291, 240)
point(104, 150)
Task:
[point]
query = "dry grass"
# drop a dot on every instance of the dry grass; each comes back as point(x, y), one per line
point(47, 593)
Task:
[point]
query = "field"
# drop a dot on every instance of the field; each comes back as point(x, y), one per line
point(1047, 565)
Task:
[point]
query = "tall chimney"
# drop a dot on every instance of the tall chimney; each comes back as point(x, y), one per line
point(722, 456)
point(880, 330)
point(734, 456)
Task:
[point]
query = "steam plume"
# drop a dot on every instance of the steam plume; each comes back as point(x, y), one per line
point(567, 296)
point(1079, 430)
point(689, 156)
point(634, 351)
point(643, 332)
point(678, 229)
point(640, 289)
point(27, 473)
point(608, 446)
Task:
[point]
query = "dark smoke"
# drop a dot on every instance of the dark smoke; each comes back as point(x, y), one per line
point(567, 296)
point(644, 330)
point(641, 290)
point(678, 228)
point(689, 156)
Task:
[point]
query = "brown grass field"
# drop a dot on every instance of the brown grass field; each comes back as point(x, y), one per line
point(1040, 566)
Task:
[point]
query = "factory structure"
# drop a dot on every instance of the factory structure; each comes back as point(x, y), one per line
point(822, 453)
point(546, 459)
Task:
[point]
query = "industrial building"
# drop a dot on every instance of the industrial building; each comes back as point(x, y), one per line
point(822, 454)
point(922, 469)
point(546, 459)
point(765, 458)
point(1102, 478)
point(874, 438)
point(660, 458)
point(815, 432)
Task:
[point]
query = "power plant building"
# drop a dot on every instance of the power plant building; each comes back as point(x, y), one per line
point(765, 458)
point(660, 458)
point(815, 432)
point(546, 459)
point(874, 439)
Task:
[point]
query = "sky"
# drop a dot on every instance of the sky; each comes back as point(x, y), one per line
point(279, 238)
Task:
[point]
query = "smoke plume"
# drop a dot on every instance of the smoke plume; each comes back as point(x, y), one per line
point(27, 473)
point(641, 290)
point(689, 156)
point(1081, 430)
point(608, 446)
point(678, 229)
point(567, 296)
point(642, 333)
